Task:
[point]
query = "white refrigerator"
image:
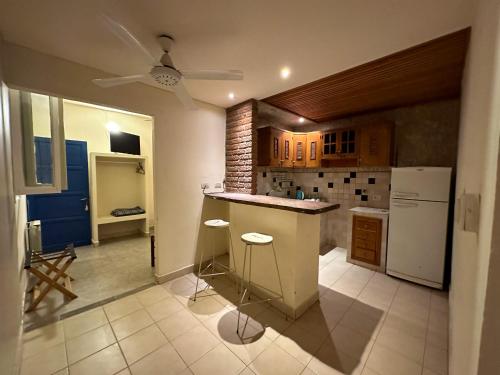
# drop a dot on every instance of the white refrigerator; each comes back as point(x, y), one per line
point(418, 223)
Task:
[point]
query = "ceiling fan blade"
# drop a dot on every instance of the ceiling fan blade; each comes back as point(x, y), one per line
point(184, 97)
point(117, 81)
point(128, 38)
point(213, 74)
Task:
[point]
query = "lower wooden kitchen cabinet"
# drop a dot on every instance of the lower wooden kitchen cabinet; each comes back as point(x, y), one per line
point(367, 237)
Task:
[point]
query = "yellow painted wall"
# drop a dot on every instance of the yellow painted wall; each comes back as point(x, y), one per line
point(88, 123)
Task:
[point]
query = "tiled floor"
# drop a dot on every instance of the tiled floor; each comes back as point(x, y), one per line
point(111, 269)
point(365, 323)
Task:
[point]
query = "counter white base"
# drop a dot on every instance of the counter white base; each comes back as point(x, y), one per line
point(296, 240)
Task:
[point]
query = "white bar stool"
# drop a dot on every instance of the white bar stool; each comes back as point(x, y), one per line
point(215, 224)
point(250, 240)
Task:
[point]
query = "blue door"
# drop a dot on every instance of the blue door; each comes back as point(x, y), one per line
point(65, 217)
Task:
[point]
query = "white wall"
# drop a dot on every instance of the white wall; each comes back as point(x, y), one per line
point(12, 219)
point(189, 146)
point(476, 173)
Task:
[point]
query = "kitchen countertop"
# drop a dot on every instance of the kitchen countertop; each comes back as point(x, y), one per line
point(370, 210)
point(305, 207)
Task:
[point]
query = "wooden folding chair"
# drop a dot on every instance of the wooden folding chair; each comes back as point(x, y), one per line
point(42, 266)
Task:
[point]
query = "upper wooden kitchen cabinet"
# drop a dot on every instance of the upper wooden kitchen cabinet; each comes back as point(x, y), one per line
point(299, 150)
point(376, 145)
point(340, 148)
point(269, 146)
point(287, 157)
point(313, 150)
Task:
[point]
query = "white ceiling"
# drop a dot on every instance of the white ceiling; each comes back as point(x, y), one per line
point(315, 38)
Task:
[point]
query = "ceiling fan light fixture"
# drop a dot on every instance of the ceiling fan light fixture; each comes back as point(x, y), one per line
point(165, 75)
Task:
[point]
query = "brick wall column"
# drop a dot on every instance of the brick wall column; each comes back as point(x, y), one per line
point(241, 148)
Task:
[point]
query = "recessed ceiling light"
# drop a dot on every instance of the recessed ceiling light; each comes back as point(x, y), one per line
point(231, 95)
point(113, 127)
point(301, 119)
point(285, 72)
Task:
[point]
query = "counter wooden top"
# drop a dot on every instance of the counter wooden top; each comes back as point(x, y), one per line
point(305, 207)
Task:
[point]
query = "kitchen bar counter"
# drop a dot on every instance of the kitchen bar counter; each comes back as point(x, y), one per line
point(305, 207)
point(295, 227)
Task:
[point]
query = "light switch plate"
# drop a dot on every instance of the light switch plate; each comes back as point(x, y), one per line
point(471, 212)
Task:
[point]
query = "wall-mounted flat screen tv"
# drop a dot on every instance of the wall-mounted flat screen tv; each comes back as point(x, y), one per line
point(125, 143)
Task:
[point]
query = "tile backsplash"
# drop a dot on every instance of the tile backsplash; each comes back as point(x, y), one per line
point(349, 187)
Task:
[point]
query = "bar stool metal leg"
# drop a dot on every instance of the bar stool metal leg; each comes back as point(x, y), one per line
point(277, 270)
point(199, 272)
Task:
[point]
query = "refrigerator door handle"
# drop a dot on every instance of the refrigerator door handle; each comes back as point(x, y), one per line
point(404, 194)
point(405, 205)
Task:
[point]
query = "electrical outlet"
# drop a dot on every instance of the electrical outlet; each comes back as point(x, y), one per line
point(218, 185)
point(376, 197)
point(205, 185)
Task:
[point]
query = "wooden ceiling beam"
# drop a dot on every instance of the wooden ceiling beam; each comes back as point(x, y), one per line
point(426, 72)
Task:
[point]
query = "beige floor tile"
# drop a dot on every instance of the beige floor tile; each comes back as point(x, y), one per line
point(362, 321)
point(84, 322)
point(246, 345)
point(206, 307)
point(177, 323)
point(181, 286)
point(131, 323)
point(298, 343)
point(246, 371)
point(39, 339)
point(276, 361)
point(62, 372)
point(412, 327)
point(163, 361)
point(193, 344)
point(351, 342)
point(330, 360)
point(89, 343)
point(125, 371)
point(118, 309)
point(367, 371)
point(219, 360)
point(307, 371)
point(388, 362)
point(274, 323)
point(399, 341)
point(164, 308)
point(152, 295)
point(105, 362)
point(142, 343)
point(436, 359)
point(48, 361)
point(437, 338)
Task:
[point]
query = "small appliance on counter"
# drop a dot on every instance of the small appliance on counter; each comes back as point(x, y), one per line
point(418, 224)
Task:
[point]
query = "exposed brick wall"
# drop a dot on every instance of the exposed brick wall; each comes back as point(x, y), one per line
point(241, 148)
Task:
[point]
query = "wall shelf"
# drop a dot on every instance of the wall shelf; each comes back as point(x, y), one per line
point(115, 183)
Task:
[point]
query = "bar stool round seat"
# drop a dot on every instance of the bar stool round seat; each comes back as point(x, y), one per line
point(216, 223)
point(254, 238)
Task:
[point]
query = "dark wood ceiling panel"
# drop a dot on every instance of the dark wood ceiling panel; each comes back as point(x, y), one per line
point(429, 71)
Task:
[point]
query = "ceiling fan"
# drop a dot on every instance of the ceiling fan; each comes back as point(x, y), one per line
point(163, 70)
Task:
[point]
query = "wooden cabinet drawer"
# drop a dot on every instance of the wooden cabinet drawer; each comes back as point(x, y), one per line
point(365, 235)
point(366, 239)
point(364, 255)
point(365, 244)
point(366, 224)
